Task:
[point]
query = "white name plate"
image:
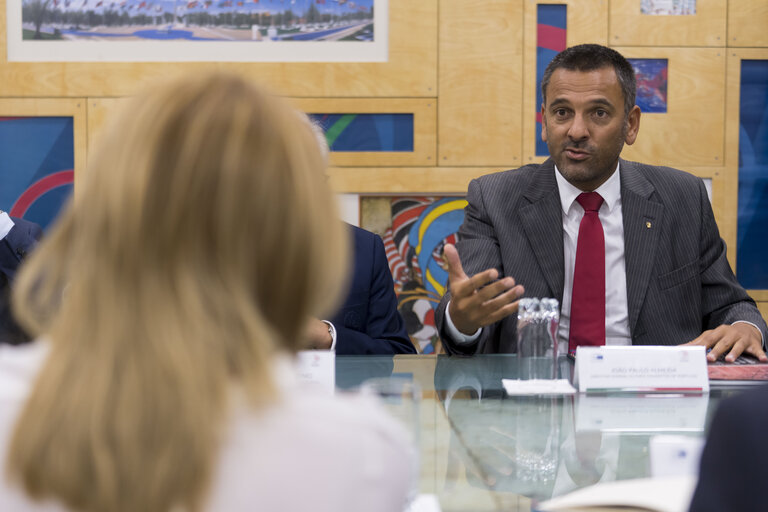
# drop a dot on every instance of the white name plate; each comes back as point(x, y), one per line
point(317, 367)
point(642, 369)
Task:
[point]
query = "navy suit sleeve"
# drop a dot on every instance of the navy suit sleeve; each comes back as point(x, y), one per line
point(20, 240)
point(385, 331)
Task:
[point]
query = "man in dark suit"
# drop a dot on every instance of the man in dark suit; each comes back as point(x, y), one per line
point(368, 322)
point(17, 238)
point(652, 269)
point(734, 463)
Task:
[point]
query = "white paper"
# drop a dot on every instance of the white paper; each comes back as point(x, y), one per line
point(317, 367)
point(660, 495)
point(648, 369)
point(538, 387)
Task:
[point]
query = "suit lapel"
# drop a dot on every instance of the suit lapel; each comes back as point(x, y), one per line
point(642, 222)
point(542, 222)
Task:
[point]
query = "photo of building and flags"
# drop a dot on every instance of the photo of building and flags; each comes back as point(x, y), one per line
point(217, 20)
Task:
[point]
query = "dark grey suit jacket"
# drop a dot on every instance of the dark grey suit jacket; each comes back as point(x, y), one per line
point(679, 282)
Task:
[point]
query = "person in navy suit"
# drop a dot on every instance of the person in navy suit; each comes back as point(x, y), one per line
point(734, 463)
point(17, 238)
point(368, 321)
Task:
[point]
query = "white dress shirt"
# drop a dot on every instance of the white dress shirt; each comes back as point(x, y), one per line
point(6, 224)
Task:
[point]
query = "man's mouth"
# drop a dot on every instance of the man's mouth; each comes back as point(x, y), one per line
point(576, 154)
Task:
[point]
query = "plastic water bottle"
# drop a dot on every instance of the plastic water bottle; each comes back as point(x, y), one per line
point(537, 350)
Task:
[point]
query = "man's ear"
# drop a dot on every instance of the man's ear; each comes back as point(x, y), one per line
point(633, 125)
point(543, 124)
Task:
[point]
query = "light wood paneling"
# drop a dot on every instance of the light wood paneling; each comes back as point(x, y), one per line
point(410, 71)
point(628, 27)
point(405, 180)
point(587, 22)
point(54, 107)
point(759, 295)
point(424, 128)
point(691, 132)
point(732, 109)
point(748, 23)
point(480, 82)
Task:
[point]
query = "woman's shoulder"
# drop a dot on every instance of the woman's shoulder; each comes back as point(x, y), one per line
point(19, 365)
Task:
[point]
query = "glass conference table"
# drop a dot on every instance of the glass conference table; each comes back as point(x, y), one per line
point(481, 450)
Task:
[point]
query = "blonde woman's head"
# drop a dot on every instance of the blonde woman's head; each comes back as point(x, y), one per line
point(202, 238)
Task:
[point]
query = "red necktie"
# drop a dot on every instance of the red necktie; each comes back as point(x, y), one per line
point(588, 296)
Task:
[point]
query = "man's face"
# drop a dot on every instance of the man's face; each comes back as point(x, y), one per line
point(584, 125)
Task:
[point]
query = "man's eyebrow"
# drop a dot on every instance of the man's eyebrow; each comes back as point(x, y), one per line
point(559, 101)
point(602, 101)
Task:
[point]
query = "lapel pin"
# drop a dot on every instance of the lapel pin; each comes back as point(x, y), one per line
point(648, 224)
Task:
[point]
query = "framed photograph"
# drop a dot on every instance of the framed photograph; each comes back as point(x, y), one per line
point(197, 30)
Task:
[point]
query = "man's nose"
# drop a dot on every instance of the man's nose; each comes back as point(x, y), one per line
point(578, 129)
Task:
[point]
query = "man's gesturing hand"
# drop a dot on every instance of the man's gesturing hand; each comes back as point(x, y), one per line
point(479, 300)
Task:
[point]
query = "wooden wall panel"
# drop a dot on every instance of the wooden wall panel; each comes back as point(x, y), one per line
point(748, 23)
point(405, 180)
point(410, 71)
point(480, 82)
point(691, 132)
point(587, 22)
point(424, 128)
point(54, 107)
point(628, 27)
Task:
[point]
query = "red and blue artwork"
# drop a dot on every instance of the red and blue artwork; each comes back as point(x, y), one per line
point(367, 132)
point(752, 244)
point(651, 76)
point(37, 166)
point(420, 227)
point(551, 26)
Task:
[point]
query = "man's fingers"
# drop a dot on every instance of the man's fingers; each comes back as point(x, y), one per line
point(451, 257)
point(494, 289)
point(757, 351)
point(466, 287)
point(499, 301)
point(503, 312)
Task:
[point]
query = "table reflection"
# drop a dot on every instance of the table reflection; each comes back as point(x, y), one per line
point(484, 450)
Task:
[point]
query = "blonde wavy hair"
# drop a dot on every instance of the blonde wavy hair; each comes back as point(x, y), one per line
point(202, 239)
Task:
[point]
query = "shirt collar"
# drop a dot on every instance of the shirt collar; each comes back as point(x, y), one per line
point(610, 191)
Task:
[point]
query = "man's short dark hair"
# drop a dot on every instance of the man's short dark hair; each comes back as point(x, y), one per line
point(589, 57)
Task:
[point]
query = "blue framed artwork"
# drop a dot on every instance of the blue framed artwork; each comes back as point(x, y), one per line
point(367, 132)
point(752, 243)
point(37, 166)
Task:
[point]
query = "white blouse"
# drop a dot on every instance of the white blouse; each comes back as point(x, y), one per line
point(310, 451)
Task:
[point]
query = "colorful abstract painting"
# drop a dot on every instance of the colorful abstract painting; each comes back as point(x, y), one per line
point(551, 25)
point(367, 132)
point(752, 243)
point(414, 230)
point(37, 167)
point(651, 76)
